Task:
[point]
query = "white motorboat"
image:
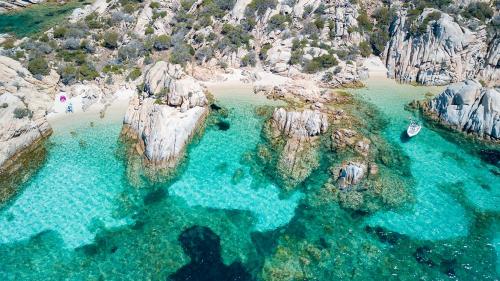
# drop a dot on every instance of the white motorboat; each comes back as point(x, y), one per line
point(413, 129)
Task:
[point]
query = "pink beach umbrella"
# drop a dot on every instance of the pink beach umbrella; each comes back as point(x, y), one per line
point(62, 98)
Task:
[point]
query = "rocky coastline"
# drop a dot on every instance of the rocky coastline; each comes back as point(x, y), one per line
point(166, 51)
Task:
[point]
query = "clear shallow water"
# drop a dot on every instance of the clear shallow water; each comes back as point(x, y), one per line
point(65, 226)
point(74, 193)
point(217, 177)
point(439, 167)
point(28, 21)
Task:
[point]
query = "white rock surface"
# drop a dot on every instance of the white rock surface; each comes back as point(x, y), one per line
point(20, 90)
point(469, 107)
point(305, 123)
point(165, 117)
point(445, 53)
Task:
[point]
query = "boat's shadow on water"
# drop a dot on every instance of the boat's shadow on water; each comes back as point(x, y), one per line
point(404, 138)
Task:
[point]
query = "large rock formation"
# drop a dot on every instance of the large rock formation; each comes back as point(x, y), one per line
point(165, 116)
point(294, 136)
point(469, 107)
point(445, 53)
point(23, 126)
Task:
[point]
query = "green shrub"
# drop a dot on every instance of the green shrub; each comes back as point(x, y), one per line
point(4, 105)
point(149, 30)
point(278, 21)
point(60, 32)
point(162, 42)
point(263, 51)
point(112, 68)
point(235, 37)
point(320, 63)
point(87, 72)
point(92, 21)
point(129, 8)
point(364, 22)
point(479, 10)
point(19, 54)
point(296, 57)
point(181, 54)
point(20, 113)
point(111, 40)
point(38, 66)
point(9, 43)
point(154, 5)
point(259, 7)
point(365, 49)
point(134, 74)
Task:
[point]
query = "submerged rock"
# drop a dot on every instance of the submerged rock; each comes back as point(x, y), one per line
point(470, 108)
point(162, 126)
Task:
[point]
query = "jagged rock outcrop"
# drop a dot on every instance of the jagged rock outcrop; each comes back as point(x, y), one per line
point(294, 135)
point(469, 107)
point(165, 116)
point(445, 53)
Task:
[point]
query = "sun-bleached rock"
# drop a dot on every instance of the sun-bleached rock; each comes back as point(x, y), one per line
point(470, 108)
point(445, 53)
point(165, 117)
point(99, 7)
point(300, 130)
point(172, 86)
point(163, 131)
point(306, 123)
point(23, 103)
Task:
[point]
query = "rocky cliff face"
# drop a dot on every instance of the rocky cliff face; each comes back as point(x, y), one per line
point(23, 103)
point(445, 52)
point(165, 116)
point(469, 107)
point(23, 126)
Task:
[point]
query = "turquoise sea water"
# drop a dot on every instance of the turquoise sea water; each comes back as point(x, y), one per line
point(28, 21)
point(78, 218)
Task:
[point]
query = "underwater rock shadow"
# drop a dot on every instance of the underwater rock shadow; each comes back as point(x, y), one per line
point(203, 246)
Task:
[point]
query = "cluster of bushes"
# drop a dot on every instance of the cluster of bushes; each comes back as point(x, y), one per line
point(217, 8)
point(71, 73)
point(259, 7)
point(38, 66)
point(134, 74)
point(279, 22)
point(297, 51)
point(418, 30)
point(110, 40)
point(320, 63)
point(479, 10)
point(133, 50)
point(233, 37)
point(162, 42)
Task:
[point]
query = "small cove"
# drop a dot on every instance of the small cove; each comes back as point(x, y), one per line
point(78, 218)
